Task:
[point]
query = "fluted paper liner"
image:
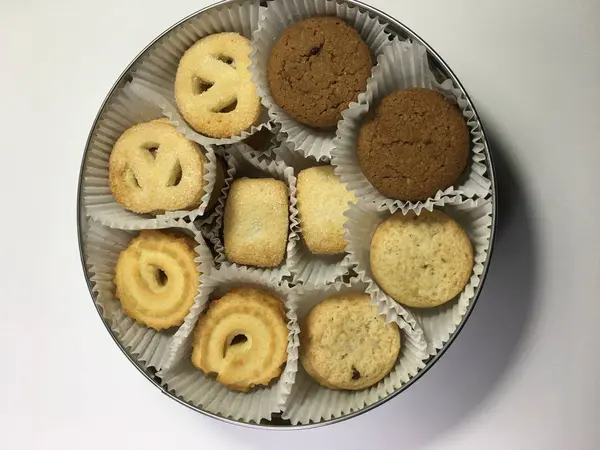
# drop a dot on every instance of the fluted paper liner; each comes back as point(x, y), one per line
point(154, 75)
point(102, 248)
point(306, 267)
point(125, 110)
point(190, 384)
point(403, 65)
point(243, 162)
point(310, 402)
point(474, 216)
point(278, 16)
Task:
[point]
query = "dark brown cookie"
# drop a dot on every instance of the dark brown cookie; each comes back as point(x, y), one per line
point(414, 144)
point(318, 66)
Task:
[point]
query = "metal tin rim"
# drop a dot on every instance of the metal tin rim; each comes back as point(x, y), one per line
point(398, 28)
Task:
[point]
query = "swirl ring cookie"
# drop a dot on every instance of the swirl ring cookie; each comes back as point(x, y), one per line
point(156, 279)
point(213, 90)
point(421, 261)
point(242, 339)
point(154, 168)
point(345, 344)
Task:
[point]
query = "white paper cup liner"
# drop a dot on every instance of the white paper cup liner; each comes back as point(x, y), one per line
point(243, 162)
point(125, 110)
point(278, 16)
point(102, 247)
point(404, 65)
point(154, 76)
point(438, 324)
point(190, 384)
point(306, 267)
point(310, 402)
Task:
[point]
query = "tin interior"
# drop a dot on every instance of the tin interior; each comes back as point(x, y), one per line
point(438, 65)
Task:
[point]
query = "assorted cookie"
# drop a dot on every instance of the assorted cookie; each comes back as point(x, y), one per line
point(317, 68)
point(255, 229)
point(242, 339)
point(322, 201)
point(156, 279)
point(412, 144)
point(421, 260)
point(213, 90)
point(153, 168)
point(346, 344)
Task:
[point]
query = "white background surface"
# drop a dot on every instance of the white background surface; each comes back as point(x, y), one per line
point(525, 372)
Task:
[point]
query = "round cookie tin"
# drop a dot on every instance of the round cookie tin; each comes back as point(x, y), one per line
point(439, 67)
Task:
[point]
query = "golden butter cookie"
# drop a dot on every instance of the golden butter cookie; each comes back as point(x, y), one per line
point(156, 279)
point(242, 339)
point(345, 344)
point(153, 168)
point(421, 261)
point(255, 226)
point(213, 90)
point(322, 201)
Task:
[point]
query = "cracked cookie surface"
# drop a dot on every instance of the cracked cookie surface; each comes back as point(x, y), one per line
point(413, 144)
point(318, 66)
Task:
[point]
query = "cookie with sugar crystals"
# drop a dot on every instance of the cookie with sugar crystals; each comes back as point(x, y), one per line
point(153, 168)
point(322, 201)
point(213, 90)
point(255, 222)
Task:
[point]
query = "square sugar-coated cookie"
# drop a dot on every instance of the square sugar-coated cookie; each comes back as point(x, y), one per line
point(256, 222)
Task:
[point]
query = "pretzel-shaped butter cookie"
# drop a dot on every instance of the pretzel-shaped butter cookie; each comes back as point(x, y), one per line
point(154, 168)
point(213, 90)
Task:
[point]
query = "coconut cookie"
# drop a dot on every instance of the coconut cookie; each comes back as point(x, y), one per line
point(156, 279)
point(242, 339)
point(213, 90)
point(345, 344)
point(421, 261)
point(153, 168)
